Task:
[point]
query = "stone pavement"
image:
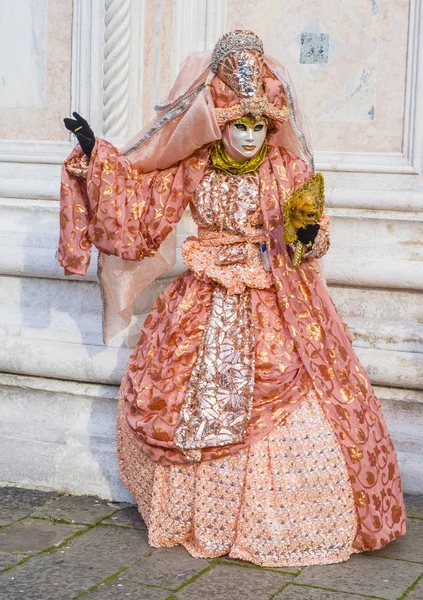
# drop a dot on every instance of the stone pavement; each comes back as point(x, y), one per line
point(59, 546)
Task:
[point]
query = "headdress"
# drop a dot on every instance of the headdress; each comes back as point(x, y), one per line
point(210, 83)
point(238, 59)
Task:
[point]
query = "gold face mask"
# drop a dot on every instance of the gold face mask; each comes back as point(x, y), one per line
point(306, 212)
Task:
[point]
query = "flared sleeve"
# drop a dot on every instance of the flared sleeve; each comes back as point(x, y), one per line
point(74, 245)
point(123, 212)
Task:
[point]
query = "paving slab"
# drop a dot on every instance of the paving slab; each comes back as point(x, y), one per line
point(141, 572)
point(230, 582)
point(118, 589)
point(417, 592)
point(297, 592)
point(414, 505)
point(166, 567)
point(16, 503)
point(130, 517)
point(77, 509)
point(407, 547)
point(34, 535)
point(364, 574)
point(85, 561)
point(8, 558)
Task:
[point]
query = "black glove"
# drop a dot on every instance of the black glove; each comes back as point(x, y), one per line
point(85, 135)
point(308, 234)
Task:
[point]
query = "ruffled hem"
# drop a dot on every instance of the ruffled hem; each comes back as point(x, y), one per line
point(284, 501)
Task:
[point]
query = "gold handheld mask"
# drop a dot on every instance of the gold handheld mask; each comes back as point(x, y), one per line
point(304, 207)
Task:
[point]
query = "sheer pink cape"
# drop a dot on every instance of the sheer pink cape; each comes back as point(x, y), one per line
point(185, 123)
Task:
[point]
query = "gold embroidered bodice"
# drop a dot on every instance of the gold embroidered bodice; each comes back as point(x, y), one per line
point(226, 209)
point(227, 202)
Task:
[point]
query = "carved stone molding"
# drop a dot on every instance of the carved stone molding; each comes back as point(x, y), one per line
point(413, 129)
point(368, 162)
point(361, 238)
point(117, 37)
point(86, 76)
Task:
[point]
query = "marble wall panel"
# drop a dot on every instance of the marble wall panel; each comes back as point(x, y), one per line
point(38, 37)
point(348, 62)
point(158, 49)
point(23, 51)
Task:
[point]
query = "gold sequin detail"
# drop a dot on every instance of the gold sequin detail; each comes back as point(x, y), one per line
point(218, 401)
point(230, 205)
point(78, 166)
point(237, 196)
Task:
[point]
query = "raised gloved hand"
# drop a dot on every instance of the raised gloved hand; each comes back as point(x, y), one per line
point(85, 135)
point(308, 233)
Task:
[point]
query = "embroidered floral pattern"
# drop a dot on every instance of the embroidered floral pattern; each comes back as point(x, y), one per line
point(219, 399)
point(119, 209)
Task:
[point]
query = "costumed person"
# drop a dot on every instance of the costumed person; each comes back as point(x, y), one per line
point(246, 425)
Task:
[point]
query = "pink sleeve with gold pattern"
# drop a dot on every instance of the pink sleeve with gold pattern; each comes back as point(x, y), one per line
point(125, 212)
point(74, 245)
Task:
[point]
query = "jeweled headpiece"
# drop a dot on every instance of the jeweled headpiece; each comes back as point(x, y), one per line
point(233, 41)
point(242, 71)
point(238, 60)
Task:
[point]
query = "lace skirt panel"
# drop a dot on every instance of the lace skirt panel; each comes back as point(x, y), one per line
point(284, 500)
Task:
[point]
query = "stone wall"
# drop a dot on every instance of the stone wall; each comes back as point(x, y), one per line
point(357, 68)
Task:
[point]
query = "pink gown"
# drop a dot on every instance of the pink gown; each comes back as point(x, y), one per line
point(246, 425)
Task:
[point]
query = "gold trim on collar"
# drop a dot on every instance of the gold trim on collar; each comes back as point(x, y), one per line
point(222, 161)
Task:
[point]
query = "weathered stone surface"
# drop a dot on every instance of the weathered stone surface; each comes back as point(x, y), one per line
point(34, 535)
point(117, 589)
point(60, 434)
point(127, 516)
point(414, 505)
point(78, 509)
point(364, 574)
point(409, 546)
point(84, 562)
point(417, 592)
point(234, 583)
point(16, 503)
point(297, 592)
point(166, 567)
point(7, 559)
